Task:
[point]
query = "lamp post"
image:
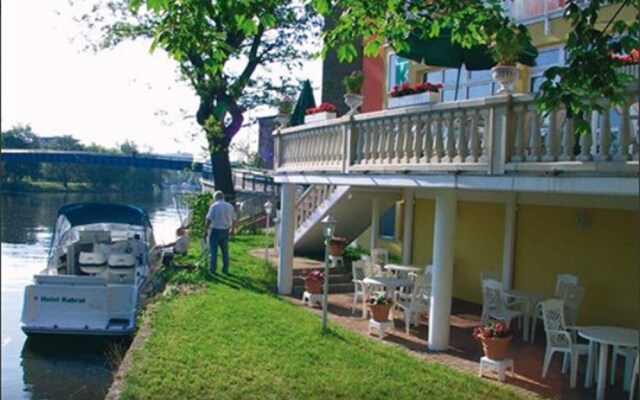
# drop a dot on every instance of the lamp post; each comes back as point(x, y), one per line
point(328, 228)
point(267, 211)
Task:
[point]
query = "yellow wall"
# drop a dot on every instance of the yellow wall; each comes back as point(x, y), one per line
point(604, 256)
point(423, 219)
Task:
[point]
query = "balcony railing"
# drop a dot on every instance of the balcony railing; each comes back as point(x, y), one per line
point(495, 135)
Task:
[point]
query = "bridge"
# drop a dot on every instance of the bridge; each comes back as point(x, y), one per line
point(139, 160)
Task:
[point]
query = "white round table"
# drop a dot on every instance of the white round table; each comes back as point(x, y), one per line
point(403, 268)
point(605, 336)
point(530, 298)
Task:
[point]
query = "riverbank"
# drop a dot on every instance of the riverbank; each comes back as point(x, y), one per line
point(230, 337)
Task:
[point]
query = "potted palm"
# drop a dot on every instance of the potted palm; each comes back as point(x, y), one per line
point(508, 43)
point(353, 85)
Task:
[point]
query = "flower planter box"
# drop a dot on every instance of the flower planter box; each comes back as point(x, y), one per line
point(413, 99)
point(321, 116)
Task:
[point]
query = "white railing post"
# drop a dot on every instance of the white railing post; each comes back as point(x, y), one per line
point(624, 134)
point(552, 147)
point(350, 139)
point(568, 140)
point(605, 135)
point(501, 124)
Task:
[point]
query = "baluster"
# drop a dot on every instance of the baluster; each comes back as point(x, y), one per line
point(416, 144)
point(463, 139)
point(624, 134)
point(586, 141)
point(385, 126)
point(427, 140)
point(395, 146)
point(389, 137)
point(374, 140)
point(568, 140)
point(519, 148)
point(451, 137)
point(551, 143)
point(535, 140)
point(474, 137)
point(400, 138)
point(407, 139)
point(339, 143)
point(439, 139)
point(605, 135)
point(362, 146)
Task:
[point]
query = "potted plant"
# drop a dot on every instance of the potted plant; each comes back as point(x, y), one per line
point(508, 42)
point(380, 305)
point(353, 85)
point(495, 337)
point(419, 93)
point(320, 113)
point(285, 107)
point(313, 280)
point(336, 246)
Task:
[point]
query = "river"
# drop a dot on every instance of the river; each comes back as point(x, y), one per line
point(51, 369)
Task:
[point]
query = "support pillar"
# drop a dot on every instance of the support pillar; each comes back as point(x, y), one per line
point(508, 247)
point(407, 232)
point(375, 222)
point(442, 273)
point(287, 228)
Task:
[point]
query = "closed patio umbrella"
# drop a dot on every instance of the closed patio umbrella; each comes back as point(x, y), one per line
point(305, 101)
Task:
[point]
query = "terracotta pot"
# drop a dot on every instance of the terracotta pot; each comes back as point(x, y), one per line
point(336, 248)
point(496, 348)
point(313, 287)
point(380, 312)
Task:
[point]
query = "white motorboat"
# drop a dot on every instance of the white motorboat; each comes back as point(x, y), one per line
point(101, 259)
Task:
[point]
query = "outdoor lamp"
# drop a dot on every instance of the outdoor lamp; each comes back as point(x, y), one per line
point(267, 211)
point(328, 227)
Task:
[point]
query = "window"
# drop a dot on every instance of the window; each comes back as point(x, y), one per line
point(388, 223)
point(397, 71)
point(546, 58)
point(522, 10)
point(471, 85)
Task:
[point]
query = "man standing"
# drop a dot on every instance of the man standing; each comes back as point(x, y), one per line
point(221, 218)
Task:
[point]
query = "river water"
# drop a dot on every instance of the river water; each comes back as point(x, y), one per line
point(50, 369)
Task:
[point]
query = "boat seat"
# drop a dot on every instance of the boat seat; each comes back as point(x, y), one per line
point(92, 263)
point(121, 265)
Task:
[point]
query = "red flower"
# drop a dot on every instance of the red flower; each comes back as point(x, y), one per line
point(324, 107)
point(406, 89)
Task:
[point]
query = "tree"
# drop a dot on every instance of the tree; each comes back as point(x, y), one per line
point(223, 48)
point(19, 137)
point(591, 74)
point(62, 172)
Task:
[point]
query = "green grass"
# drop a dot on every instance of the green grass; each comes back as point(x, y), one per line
point(236, 340)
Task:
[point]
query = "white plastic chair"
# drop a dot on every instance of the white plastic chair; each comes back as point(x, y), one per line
point(380, 256)
point(358, 269)
point(630, 356)
point(417, 302)
point(634, 377)
point(559, 339)
point(563, 283)
point(494, 306)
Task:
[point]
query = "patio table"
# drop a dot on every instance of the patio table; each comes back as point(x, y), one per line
point(388, 283)
point(529, 298)
point(604, 336)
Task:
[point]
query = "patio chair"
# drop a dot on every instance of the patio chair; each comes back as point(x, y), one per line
point(494, 306)
point(564, 283)
point(629, 355)
point(358, 269)
point(416, 302)
point(380, 256)
point(634, 377)
point(559, 339)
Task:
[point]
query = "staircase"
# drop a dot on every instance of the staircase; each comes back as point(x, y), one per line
point(339, 281)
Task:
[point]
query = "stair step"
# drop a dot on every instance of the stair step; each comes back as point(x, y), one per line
point(345, 287)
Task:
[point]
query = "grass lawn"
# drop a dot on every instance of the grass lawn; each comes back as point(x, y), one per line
point(235, 340)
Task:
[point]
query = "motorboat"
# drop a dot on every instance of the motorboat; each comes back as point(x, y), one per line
point(100, 263)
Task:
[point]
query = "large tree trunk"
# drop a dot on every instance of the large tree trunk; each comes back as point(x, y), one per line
point(221, 168)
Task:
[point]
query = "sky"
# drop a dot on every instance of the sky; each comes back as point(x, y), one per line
point(126, 93)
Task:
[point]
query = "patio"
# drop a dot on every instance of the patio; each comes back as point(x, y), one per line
point(464, 352)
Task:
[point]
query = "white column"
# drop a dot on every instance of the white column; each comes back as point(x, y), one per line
point(442, 273)
point(375, 222)
point(407, 232)
point(287, 228)
point(508, 246)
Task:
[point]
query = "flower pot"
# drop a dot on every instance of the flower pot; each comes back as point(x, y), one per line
point(413, 99)
point(353, 100)
point(496, 348)
point(313, 287)
point(380, 312)
point(505, 76)
point(336, 248)
point(321, 116)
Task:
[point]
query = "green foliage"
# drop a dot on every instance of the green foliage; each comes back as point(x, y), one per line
point(198, 207)
point(353, 82)
point(19, 137)
point(508, 42)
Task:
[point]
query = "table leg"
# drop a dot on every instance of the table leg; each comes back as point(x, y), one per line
point(588, 380)
point(365, 294)
point(602, 371)
point(525, 326)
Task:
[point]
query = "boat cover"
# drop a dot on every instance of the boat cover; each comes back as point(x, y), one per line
point(97, 212)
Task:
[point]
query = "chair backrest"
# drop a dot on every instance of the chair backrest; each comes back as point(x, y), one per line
point(372, 269)
point(564, 280)
point(421, 293)
point(358, 269)
point(572, 296)
point(490, 274)
point(380, 256)
point(492, 296)
point(554, 323)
